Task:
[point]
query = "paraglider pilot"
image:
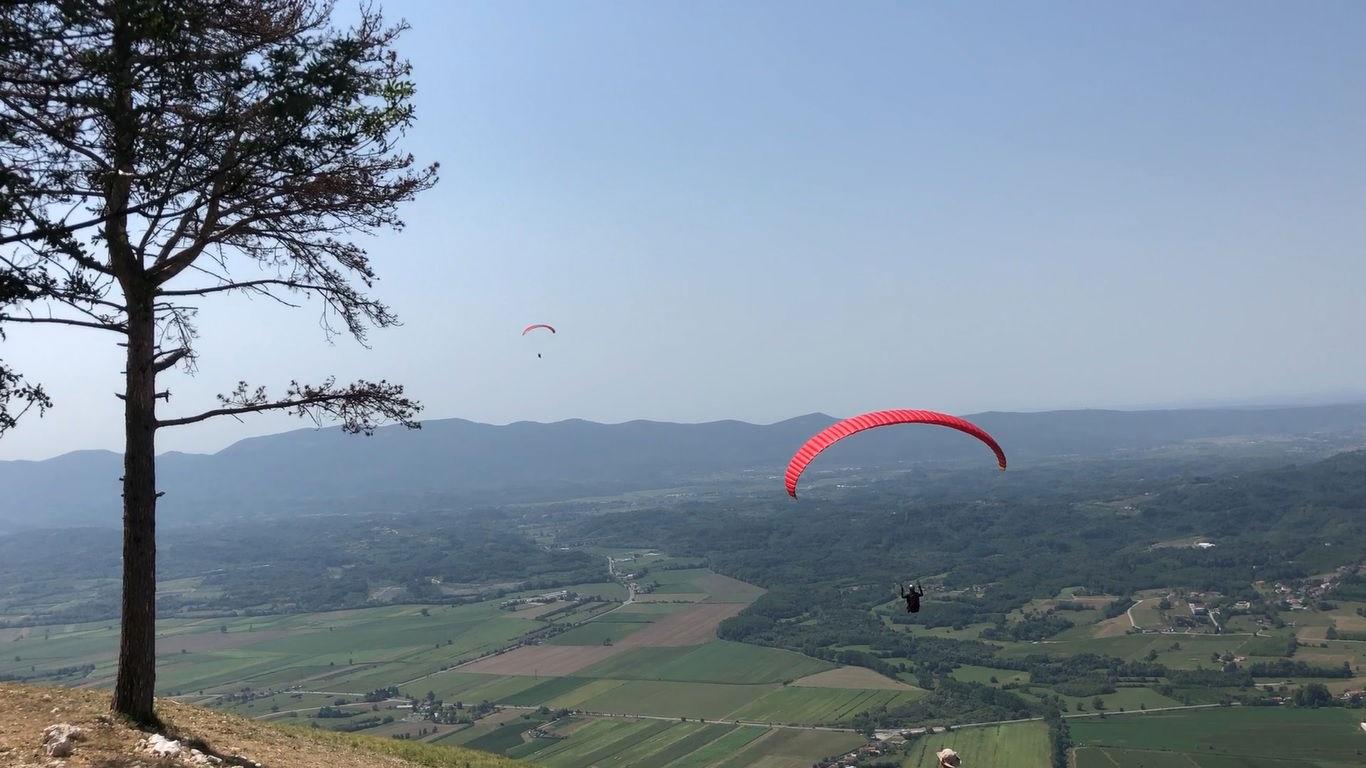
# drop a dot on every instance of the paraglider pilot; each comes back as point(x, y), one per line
point(912, 598)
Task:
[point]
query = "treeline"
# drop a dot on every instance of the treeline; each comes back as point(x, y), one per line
point(1288, 668)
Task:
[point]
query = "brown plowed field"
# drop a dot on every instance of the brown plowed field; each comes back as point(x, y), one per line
point(546, 660)
point(693, 625)
point(724, 589)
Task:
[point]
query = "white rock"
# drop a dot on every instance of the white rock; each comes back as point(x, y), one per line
point(58, 739)
point(160, 746)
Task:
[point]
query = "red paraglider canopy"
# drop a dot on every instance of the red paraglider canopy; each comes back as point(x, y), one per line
point(531, 328)
point(840, 430)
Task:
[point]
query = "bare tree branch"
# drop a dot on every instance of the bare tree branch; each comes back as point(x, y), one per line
point(357, 405)
point(63, 321)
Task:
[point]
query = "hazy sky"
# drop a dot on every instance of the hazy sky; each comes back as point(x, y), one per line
point(756, 210)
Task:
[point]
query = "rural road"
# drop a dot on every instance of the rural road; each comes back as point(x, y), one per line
point(1130, 612)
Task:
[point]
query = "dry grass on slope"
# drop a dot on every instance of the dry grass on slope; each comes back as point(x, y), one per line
point(107, 742)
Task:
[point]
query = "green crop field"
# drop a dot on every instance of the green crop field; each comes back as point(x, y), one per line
point(785, 748)
point(793, 704)
point(545, 690)
point(487, 688)
point(597, 742)
point(1223, 737)
point(1123, 698)
point(1015, 745)
point(504, 737)
point(359, 650)
point(677, 582)
point(719, 661)
point(1173, 650)
point(727, 744)
point(669, 699)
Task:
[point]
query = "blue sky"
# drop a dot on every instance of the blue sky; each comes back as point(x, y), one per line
point(756, 210)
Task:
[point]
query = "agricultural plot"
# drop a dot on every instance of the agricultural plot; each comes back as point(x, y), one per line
point(719, 661)
point(599, 742)
point(810, 706)
point(382, 649)
point(1346, 618)
point(546, 660)
point(784, 748)
point(724, 589)
point(542, 692)
point(1147, 615)
point(974, 674)
point(604, 742)
point(597, 633)
point(1174, 650)
point(852, 677)
point(683, 740)
point(642, 612)
point(694, 625)
point(682, 581)
point(720, 749)
point(502, 729)
point(482, 688)
point(1016, 745)
point(669, 699)
point(1126, 699)
point(1266, 737)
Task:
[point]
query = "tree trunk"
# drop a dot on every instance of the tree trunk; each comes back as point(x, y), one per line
point(137, 643)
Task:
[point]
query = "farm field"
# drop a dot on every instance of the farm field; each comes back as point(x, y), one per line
point(1262, 737)
point(1017, 745)
point(672, 699)
point(630, 743)
point(974, 674)
point(1176, 651)
point(355, 650)
point(852, 677)
point(718, 661)
point(792, 704)
point(597, 633)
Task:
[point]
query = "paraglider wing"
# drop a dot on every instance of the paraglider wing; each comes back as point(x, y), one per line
point(840, 430)
point(531, 328)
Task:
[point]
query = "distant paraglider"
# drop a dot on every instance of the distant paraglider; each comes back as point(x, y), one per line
point(840, 430)
point(533, 327)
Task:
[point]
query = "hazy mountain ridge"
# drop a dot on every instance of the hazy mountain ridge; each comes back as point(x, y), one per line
point(527, 461)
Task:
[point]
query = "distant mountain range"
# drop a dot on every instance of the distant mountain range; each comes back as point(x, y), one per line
point(460, 461)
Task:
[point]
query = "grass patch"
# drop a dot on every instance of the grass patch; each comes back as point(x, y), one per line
point(1325, 737)
point(1016, 745)
point(814, 706)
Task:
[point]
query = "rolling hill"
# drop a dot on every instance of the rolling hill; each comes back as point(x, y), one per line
point(464, 462)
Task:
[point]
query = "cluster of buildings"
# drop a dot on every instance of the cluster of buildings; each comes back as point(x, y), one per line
point(1300, 597)
point(548, 597)
point(853, 758)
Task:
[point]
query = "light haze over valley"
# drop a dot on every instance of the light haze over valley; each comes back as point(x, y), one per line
point(801, 385)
